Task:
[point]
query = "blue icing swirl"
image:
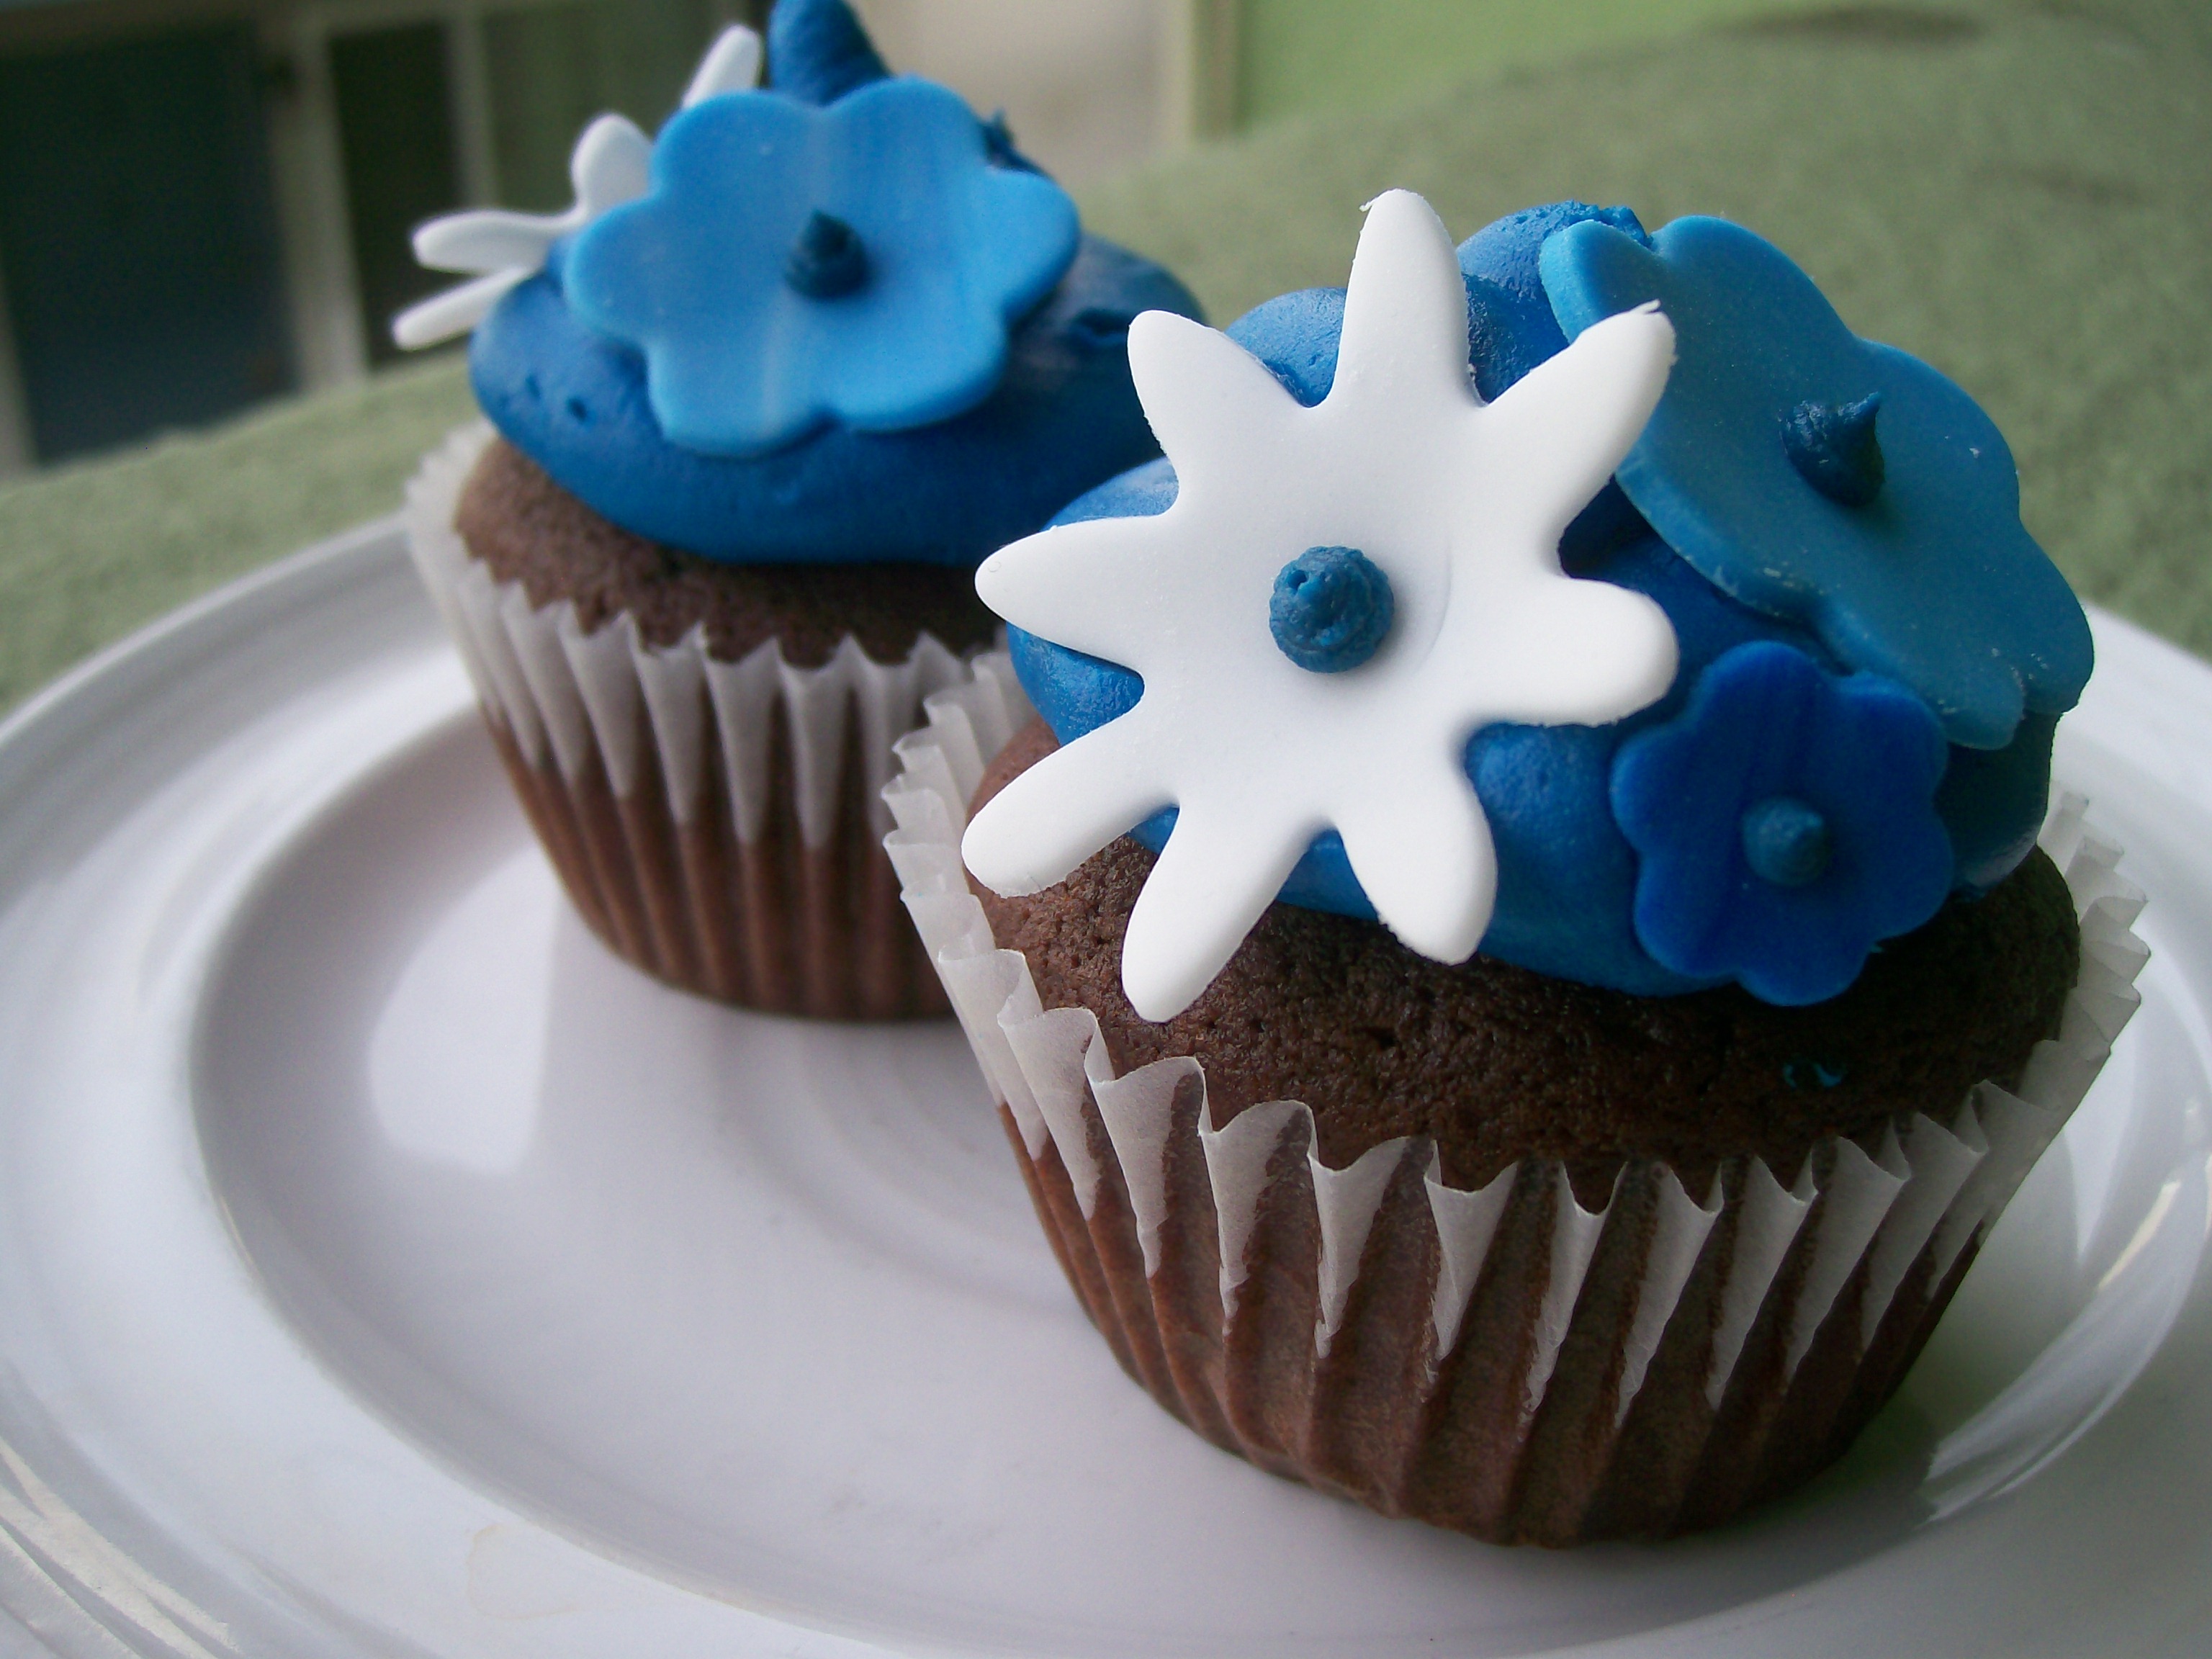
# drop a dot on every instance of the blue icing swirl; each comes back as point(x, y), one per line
point(1568, 877)
point(1510, 328)
point(1056, 414)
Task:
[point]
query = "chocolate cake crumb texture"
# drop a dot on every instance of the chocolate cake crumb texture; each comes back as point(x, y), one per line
point(526, 528)
point(1497, 1063)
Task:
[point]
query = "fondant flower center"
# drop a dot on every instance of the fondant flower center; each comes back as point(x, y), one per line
point(1331, 609)
point(1833, 447)
point(1786, 842)
point(827, 260)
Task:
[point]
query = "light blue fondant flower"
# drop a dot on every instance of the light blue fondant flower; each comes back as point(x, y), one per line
point(1784, 823)
point(1890, 527)
point(793, 265)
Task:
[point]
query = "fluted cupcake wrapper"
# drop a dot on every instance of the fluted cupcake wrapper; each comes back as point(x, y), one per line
point(719, 823)
point(1501, 1361)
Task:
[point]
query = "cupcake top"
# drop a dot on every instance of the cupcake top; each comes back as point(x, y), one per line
point(1590, 597)
point(839, 319)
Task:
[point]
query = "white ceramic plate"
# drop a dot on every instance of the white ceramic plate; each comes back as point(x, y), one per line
point(385, 1270)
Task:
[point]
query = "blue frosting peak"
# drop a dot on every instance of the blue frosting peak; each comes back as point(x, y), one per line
point(1933, 582)
point(818, 52)
point(1786, 841)
point(1782, 809)
point(827, 260)
point(1834, 448)
point(793, 266)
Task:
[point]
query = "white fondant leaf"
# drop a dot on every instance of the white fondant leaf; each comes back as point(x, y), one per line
point(486, 240)
point(1064, 809)
point(1195, 383)
point(1579, 652)
point(733, 64)
point(454, 313)
point(1423, 854)
point(611, 164)
point(1051, 588)
point(1219, 872)
point(1577, 414)
point(608, 168)
point(1405, 309)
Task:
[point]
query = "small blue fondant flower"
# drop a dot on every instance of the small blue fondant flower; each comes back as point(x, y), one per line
point(1784, 823)
point(792, 266)
point(1831, 481)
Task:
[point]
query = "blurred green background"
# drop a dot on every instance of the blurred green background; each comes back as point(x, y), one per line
point(1297, 55)
point(2021, 193)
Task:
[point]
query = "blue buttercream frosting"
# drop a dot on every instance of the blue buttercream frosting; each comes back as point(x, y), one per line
point(1569, 878)
point(1510, 325)
point(1052, 411)
point(1931, 578)
point(818, 52)
point(1510, 328)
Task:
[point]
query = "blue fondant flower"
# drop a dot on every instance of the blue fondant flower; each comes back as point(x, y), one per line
point(1891, 528)
point(1784, 823)
point(792, 266)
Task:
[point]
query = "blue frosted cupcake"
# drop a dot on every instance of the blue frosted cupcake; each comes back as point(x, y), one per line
point(1517, 953)
point(758, 404)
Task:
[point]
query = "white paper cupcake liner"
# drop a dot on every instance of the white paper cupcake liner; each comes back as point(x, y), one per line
point(717, 823)
point(1502, 1361)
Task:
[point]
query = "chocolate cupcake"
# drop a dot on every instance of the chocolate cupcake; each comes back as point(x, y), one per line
point(1719, 722)
point(757, 404)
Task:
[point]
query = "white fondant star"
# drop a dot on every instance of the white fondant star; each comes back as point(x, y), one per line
point(608, 168)
point(1460, 503)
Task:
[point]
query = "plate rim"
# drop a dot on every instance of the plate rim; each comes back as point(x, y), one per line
point(110, 676)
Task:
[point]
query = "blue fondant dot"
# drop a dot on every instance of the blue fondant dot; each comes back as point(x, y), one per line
point(827, 260)
point(1804, 1075)
point(1786, 842)
point(1833, 447)
point(1331, 609)
point(579, 411)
